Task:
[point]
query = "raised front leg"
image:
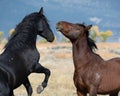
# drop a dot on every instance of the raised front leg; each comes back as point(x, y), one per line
point(40, 69)
point(28, 87)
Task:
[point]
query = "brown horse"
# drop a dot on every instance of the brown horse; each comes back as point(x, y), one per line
point(92, 74)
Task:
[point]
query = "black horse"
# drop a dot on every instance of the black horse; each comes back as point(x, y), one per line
point(20, 57)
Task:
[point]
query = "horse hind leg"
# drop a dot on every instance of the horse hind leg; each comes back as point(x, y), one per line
point(114, 94)
point(4, 89)
point(40, 69)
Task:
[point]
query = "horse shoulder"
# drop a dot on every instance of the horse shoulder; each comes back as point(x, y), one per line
point(31, 55)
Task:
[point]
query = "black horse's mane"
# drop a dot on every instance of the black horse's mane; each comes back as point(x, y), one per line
point(24, 34)
point(90, 42)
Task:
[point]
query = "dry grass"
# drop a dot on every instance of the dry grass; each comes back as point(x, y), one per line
point(58, 58)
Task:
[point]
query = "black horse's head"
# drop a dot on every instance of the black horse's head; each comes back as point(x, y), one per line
point(27, 30)
point(43, 28)
point(40, 24)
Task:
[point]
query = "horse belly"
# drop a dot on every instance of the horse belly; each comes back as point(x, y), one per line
point(18, 76)
point(19, 82)
point(109, 83)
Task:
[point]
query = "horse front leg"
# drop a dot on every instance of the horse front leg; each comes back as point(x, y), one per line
point(28, 86)
point(11, 93)
point(81, 93)
point(93, 90)
point(40, 69)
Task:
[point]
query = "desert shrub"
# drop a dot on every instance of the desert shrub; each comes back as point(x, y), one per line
point(104, 35)
point(1, 36)
point(11, 32)
point(95, 34)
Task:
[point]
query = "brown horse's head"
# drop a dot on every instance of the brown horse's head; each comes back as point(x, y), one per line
point(70, 30)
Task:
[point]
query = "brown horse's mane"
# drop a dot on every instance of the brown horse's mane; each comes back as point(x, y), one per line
point(90, 42)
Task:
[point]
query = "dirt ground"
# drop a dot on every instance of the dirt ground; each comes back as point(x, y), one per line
point(58, 58)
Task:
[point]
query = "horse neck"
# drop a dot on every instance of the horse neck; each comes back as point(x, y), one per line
point(81, 52)
point(26, 38)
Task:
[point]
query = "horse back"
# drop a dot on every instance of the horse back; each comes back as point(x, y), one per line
point(113, 63)
point(110, 76)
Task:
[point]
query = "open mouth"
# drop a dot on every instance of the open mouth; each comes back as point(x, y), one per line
point(59, 27)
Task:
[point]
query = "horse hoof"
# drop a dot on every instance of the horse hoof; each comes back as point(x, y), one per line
point(40, 89)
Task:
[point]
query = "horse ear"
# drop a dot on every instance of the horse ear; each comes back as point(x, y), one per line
point(41, 11)
point(88, 27)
